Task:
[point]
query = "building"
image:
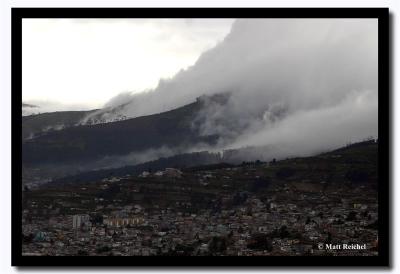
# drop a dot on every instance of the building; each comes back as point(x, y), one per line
point(118, 222)
point(145, 174)
point(173, 173)
point(169, 172)
point(80, 220)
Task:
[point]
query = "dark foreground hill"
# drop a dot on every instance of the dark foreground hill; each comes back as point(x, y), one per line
point(353, 165)
point(187, 160)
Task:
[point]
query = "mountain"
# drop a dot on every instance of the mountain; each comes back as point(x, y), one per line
point(86, 143)
point(29, 109)
point(38, 124)
point(28, 106)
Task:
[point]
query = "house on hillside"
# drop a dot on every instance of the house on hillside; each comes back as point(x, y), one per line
point(169, 172)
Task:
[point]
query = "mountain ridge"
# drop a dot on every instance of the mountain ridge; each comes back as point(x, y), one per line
point(172, 128)
point(354, 162)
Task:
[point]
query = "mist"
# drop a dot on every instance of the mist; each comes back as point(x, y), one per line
point(31, 107)
point(135, 158)
point(302, 85)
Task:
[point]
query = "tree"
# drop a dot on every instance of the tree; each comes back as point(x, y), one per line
point(82, 252)
point(352, 216)
point(239, 198)
point(260, 242)
point(356, 175)
point(217, 244)
point(28, 238)
point(97, 219)
point(283, 232)
point(329, 238)
point(103, 249)
point(260, 183)
point(285, 172)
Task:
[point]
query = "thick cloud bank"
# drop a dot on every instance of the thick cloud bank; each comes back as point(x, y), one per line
point(303, 84)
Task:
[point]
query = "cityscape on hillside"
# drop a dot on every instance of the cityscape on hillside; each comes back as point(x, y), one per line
point(298, 206)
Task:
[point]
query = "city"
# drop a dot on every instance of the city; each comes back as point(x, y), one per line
point(296, 207)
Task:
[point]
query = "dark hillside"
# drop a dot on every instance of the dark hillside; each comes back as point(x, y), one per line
point(93, 142)
point(37, 124)
point(351, 166)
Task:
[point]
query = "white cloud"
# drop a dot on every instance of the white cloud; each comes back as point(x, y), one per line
point(88, 61)
point(311, 131)
point(305, 77)
point(301, 63)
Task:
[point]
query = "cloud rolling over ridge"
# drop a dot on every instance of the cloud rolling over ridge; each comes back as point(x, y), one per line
point(304, 84)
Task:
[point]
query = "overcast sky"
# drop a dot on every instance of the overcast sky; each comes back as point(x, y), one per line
point(85, 62)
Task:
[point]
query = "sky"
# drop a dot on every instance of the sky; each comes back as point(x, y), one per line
point(82, 63)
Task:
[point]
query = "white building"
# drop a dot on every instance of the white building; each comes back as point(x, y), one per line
point(80, 220)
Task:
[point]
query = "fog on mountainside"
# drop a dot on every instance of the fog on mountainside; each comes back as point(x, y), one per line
point(307, 84)
point(35, 107)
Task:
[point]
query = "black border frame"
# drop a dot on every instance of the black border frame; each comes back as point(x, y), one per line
point(382, 14)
